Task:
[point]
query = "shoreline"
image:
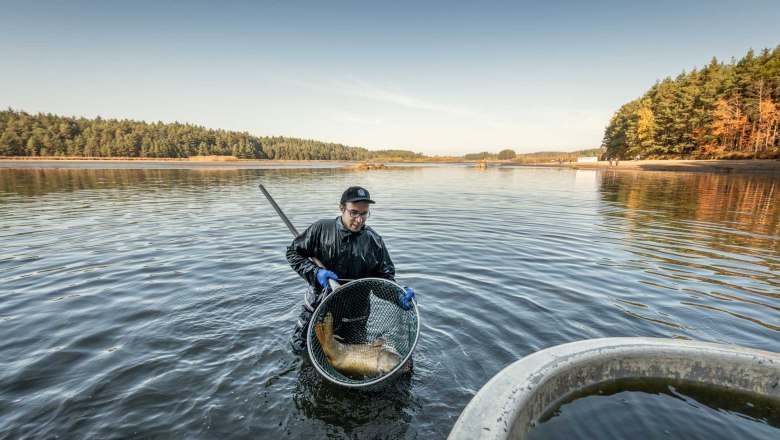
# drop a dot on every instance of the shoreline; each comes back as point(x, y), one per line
point(771, 166)
point(765, 166)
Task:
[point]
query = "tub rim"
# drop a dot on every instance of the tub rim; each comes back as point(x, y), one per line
point(511, 400)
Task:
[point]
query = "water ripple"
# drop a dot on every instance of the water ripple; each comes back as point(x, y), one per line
point(157, 303)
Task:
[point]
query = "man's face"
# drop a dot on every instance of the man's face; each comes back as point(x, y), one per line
point(354, 215)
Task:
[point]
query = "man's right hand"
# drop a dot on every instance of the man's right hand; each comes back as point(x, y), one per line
point(323, 275)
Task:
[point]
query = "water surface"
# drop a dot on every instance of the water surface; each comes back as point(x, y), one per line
point(157, 302)
point(656, 409)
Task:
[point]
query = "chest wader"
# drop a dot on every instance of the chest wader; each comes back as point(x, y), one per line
point(349, 324)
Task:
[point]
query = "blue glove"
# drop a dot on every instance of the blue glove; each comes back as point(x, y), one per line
point(323, 275)
point(405, 301)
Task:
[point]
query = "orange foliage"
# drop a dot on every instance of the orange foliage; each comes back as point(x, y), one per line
point(765, 133)
point(729, 125)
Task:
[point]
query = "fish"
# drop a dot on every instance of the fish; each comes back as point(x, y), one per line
point(355, 359)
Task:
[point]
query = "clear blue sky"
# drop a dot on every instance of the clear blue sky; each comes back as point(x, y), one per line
point(436, 77)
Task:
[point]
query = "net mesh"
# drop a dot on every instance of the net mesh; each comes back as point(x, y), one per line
point(359, 335)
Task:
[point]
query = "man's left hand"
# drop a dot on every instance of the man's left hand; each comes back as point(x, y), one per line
point(405, 301)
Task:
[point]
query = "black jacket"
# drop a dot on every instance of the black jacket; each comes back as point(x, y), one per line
point(351, 255)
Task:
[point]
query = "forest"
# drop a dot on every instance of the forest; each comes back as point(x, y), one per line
point(24, 134)
point(722, 111)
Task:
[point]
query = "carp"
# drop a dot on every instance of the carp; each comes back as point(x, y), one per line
point(355, 359)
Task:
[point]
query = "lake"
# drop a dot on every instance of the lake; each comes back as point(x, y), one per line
point(156, 303)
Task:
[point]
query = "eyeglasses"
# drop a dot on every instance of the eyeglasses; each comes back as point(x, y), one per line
point(353, 213)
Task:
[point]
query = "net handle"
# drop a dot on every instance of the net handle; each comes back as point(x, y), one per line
point(333, 284)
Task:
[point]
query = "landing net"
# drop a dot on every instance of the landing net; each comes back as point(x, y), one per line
point(367, 335)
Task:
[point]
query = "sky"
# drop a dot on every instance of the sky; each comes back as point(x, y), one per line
point(436, 77)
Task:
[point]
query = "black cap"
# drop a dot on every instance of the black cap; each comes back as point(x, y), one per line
point(356, 194)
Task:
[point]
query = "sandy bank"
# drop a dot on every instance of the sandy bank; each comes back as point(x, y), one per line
point(146, 163)
point(706, 166)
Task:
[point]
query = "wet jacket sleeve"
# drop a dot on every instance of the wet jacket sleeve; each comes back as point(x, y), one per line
point(385, 269)
point(298, 253)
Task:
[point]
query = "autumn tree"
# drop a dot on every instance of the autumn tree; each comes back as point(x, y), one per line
point(720, 109)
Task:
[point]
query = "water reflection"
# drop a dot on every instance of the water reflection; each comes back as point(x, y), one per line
point(634, 408)
point(173, 284)
point(38, 182)
point(710, 238)
point(319, 399)
point(699, 201)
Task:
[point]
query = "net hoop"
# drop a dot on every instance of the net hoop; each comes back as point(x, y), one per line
point(311, 338)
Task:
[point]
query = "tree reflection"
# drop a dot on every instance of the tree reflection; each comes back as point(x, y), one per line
point(707, 242)
point(35, 182)
point(742, 202)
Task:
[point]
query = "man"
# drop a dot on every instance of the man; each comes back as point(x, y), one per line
point(348, 249)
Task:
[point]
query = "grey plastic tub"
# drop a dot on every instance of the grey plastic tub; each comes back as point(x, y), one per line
point(514, 398)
